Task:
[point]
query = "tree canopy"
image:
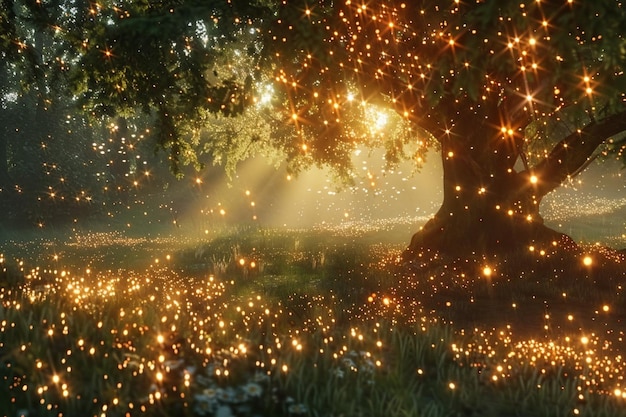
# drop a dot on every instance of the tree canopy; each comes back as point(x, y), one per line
point(437, 63)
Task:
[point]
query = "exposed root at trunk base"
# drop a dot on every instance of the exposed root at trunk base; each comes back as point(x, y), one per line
point(493, 237)
point(511, 251)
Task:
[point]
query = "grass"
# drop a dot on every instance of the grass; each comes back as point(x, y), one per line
point(265, 322)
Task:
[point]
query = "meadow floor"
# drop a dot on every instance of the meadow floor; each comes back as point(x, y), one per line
point(256, 322)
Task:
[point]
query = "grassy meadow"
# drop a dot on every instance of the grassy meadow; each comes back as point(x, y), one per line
point(267, 322)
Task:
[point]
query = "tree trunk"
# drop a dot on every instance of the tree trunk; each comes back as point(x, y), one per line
point(5, 178)
point(487, 206)
point(471, 220)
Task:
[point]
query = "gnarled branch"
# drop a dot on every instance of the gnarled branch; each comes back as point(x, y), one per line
point(575, 151)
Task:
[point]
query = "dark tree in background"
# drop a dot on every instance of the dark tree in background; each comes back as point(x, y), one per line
point(59, 163)
point(517, 96)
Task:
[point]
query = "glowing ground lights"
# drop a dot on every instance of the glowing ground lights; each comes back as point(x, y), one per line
point(164, 336)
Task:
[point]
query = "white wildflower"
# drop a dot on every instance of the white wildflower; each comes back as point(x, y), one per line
point(204, 404)
point(260, 377)
point(252, 389)
point(226, 394)
point(348, 363)
point(368, 366)
point(210, 393)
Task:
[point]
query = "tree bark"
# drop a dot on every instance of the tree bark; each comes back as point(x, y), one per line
point(573, 152)
point(483, 214)
point(488, 207)
point(5, 178)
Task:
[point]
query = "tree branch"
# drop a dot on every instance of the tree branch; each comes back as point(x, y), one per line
point(572, 153)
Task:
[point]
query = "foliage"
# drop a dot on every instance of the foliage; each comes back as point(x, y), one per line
point(518, 97)
point(62, 166)
point(439, 66)
point(466, 71)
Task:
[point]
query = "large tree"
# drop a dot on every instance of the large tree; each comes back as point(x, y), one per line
point(517, 96)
